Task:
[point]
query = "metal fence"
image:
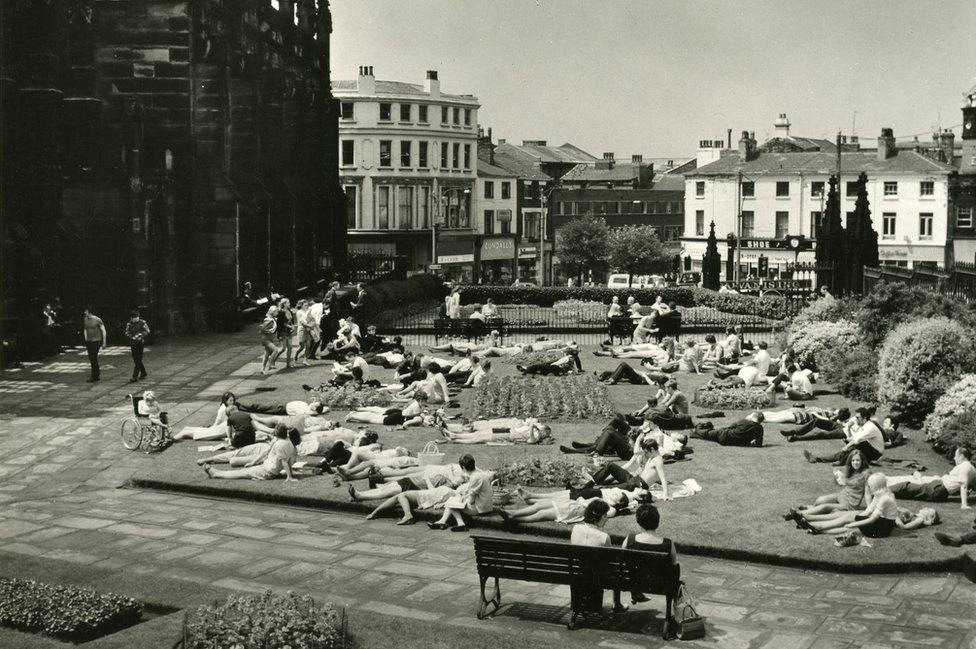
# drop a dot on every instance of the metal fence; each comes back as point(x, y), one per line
point(958, 281)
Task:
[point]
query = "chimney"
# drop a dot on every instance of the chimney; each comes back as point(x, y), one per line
point(501, 140)
point(709, 151)
point(645, 172)
point(782, 126)
point(432, 85)
point(728, 135)
point(636, 159)
point(366, 83)
point(607, 162)
point(533, 143)
point(886, 144)
point(944, 140)
point(747, 146)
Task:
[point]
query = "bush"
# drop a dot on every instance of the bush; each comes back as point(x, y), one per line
point(919, 361)
point(64, 612)
point(400, 293)
point(731, 398)
point(853, 372)
point(267, 620)
point(891, 303)
point(958, 430)
point(769, 306)
point(826, 309)
point(812, 341)
point(531, 358)
point(542, 473)
point(349, 397)
point(958, 404)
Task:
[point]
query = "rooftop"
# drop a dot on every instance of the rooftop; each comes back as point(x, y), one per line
point(521, 166)
point(822, 163)
point(488, 170)
point(542, 152)
point(394, 88)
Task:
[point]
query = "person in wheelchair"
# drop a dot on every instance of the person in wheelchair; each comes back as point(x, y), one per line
point(149, 407)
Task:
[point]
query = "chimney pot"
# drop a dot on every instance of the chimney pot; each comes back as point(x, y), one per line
point(886, 144)
point(431, 74)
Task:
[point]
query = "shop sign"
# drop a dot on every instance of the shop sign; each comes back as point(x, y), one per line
point(528, 251)
point(497, 249)
point(455, 259)
point(887, 253)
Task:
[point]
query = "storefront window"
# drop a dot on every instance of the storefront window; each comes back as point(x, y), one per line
point(405, 208)
point(424, 210)
point(350, 206)
point(382, 208)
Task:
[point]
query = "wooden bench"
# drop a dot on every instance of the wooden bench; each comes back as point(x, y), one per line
point(620, 326)
point(466, 328)
point(668, 324)
point(584, 569)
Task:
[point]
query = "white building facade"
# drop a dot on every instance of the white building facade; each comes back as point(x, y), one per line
point(781, 196)
point(408, 157)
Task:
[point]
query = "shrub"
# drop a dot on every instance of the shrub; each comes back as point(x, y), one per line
point(399, 293)
point(826, 309)
point(942, 426)
point(64, 612)
point(919, 361)
point(349, 397)
point(812, 341)
point(564, 398)
point(267, 620)
point(770, 306)
point(732, 398)
point(891, 303)
point(958, 430)
point(542, 473)
point(852, 371)
point(531, 358)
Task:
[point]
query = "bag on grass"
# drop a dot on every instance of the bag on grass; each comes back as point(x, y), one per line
point(430, 455)
point(690, 625)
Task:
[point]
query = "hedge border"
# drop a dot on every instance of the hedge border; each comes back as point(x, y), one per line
point(963, 563)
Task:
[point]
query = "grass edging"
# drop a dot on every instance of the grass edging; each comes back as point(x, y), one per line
point(962, 563)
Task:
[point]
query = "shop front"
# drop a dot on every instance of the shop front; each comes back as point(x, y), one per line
point(456, 259)
point(528, 264)
point(498, 260)
point(910, 256)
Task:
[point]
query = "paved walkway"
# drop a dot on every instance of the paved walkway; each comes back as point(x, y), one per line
point(61, 463)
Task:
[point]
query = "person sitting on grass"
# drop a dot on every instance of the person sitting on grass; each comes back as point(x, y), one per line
point(149, 407)
point(644, 469)
point(252, 454)
point(418, 478)
point(648, 540)
point(879, 518)
point(530, 432)
point(363, 460)
point(434, 386)
point(799, 387)
point(745, 377)
point(940, 488)
point(344, 372)
point(409, 415)
point(745, 432)
point(712, 354)
point(671, 412)
point(612, 441)
point(690, 360)
point(478, 374)
point(851, 497)
point(867, 438)
point(473, 498)
point(815, 423)
point(239, 430)
point(568, 363)
point(892, 436)
point(590, 532)
point(216, 430)
point(279, 457)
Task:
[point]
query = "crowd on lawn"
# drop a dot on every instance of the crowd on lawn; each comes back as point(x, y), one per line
point(266, 440)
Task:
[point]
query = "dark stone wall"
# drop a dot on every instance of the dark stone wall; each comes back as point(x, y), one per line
point(157, 153)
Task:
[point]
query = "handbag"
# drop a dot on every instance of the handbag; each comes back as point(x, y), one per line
point(430, 455)
point(690, 624)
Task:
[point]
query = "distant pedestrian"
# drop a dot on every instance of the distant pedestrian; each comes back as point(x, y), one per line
point(285, 322)
point(136, 330)
point(95, 339)
point(360, 299)
point(269, 328)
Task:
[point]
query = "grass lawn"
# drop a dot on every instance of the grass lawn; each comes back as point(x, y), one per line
point(737, 514)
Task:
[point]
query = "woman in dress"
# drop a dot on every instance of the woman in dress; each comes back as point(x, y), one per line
point(850, 498)
point(648, 540)
point(269, 327)
point(285, 329)
point(279, 458)
point(216, 430)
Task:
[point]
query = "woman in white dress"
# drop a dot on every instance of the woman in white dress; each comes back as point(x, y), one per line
point(454, 304)
point(217, 430)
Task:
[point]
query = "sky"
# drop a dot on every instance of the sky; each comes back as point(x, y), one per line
point(655, 77)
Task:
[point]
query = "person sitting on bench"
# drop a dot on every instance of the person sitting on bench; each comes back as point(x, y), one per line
point(648, 540)
point(565, 364)
point(612, 441)
point(939, 488)
point(745, 432)
point(868, 439)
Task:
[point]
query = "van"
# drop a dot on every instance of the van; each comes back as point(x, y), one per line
point(620, 281)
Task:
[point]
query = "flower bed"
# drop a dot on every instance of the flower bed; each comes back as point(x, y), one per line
point(734, 398)
point(348, 397)
point(266, 620)
point(550, 398)
point(542, 473)
point(531, 358)
point(64, 612)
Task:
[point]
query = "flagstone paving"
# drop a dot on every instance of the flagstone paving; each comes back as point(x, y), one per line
point(62, 466)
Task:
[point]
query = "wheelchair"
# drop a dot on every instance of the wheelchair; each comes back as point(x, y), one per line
point(138, 432)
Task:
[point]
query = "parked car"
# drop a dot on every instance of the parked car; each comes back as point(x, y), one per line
point(520, 282)
point(690, 278)
point(625, 281)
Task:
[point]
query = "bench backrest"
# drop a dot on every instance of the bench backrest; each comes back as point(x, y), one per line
point(562, 563)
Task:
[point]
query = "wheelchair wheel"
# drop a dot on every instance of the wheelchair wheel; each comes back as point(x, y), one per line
point(131, 434)
point(156, 439)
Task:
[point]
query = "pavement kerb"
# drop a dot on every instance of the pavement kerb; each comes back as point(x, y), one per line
point(964, 563)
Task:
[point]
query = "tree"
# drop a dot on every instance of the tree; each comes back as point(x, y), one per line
point(830, 243)
point(636, 250)
point(711, 262)
point(581, 245)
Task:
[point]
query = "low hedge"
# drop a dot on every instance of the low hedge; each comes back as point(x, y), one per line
point(400, 293)
point(64, 612)
point(734, 398)
point(775, 306)
point(267, 620)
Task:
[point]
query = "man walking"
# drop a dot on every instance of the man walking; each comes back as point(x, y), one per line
point(95, 337)
point(136, 330)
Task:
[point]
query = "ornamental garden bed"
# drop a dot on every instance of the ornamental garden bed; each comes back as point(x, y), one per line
point(68, 613)
point(729, 398)
point(550, 398)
